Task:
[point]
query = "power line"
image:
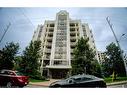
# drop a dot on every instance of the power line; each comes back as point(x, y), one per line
point(5, 31)
point(27, 18)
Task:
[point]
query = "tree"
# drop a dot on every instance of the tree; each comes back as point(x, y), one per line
point(30, 60)
point(114, 62)
point(8, 54)
point(17, 61)
point(84, 59)
point(96, 68)
point(106, 67)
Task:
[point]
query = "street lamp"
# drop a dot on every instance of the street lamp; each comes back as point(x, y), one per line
point(121, 53)
point(121, 37)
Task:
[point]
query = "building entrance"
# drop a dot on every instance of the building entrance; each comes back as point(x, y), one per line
point(59, 73)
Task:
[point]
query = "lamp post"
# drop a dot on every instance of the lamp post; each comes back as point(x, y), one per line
point(121, 53)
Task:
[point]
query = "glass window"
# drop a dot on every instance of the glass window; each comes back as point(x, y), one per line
point(77, 79)
point(86, 79)
point(18, 73)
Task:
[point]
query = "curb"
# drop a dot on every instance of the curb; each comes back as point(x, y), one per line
point(39, 85)
point(116, 83)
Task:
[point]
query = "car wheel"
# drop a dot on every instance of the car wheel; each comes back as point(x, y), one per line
point(21, 86)
point(9, 85)
point(57, 86)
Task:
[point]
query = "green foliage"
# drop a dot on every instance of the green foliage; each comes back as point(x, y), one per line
point(96, 69)
point(8, 54)
point(36, 80)
point(17, 61)
point(109, 79)
point(30, 64)
point(114, 62)
point(84, 59)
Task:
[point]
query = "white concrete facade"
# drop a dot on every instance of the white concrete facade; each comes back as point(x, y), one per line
point(59, 39)
point(101, 56)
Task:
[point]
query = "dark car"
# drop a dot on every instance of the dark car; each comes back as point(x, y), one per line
point(10, 78)
point(80, 81)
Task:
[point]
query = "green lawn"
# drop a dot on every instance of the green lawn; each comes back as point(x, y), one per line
point(109, 80)
point(35, 80)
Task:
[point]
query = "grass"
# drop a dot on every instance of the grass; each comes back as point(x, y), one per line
point(35, 80)
point(109, 79)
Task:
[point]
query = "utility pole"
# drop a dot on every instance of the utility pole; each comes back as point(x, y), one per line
point(5, 30)
point(121, 53)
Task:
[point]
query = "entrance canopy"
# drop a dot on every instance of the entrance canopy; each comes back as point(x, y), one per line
point(58, 67)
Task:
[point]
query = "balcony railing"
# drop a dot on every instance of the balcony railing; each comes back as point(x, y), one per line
point(73, 43)
point(73, 38)
point(47, 50)
point(46, 57)
point(49, 38)
point(73, 33)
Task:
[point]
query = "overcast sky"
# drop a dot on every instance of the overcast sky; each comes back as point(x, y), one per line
point(25, 20)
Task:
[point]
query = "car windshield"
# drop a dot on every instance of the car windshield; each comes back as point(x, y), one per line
point(19, 73)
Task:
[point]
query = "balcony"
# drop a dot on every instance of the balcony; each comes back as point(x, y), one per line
point(46, 57)
point(49, 33)
point(72, 29)
point(48, 50)
point(49, 38)
point(73, 44)
point(51, 29)
point(48, 44)
point(73, 39)
point(52, 25)
point(60, 56)
point(73, 34)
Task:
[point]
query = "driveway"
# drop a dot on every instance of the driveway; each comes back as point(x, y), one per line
point(43, 84)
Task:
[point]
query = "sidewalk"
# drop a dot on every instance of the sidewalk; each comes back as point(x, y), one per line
point(116, 83)
point(44, 84)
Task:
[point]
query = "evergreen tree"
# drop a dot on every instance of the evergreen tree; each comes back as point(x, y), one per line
point(84, 59)
point(8, 54)
point(115, 63)
point(30, 60)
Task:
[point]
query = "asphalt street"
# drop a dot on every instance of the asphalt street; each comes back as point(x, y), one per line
point(112, 86)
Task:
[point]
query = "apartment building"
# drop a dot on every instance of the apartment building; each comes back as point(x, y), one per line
point(101, 56)
point(59, 39)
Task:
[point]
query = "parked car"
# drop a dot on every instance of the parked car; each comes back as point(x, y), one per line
point(80, 81)
point(10, 78)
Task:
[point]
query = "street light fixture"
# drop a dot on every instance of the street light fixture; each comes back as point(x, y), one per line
point(121, 36)
point(121, 53)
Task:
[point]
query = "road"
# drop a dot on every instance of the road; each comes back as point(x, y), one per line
point(113, 86)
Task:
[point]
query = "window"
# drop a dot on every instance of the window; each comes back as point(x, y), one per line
point(86, 79)
point(19, 73)
point(77, 79)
